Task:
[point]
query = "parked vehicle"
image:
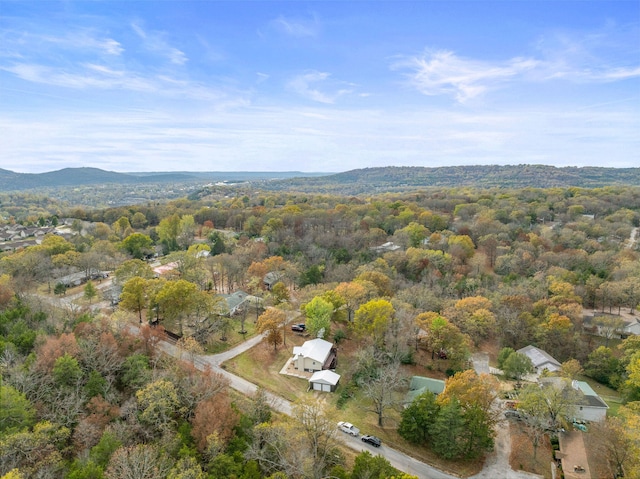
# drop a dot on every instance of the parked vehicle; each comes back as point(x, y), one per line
point(580, 426)
point(373, 440)
point(510, 414)
point(300, 327)
point(348, 428)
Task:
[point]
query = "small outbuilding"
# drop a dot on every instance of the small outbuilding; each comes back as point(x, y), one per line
point(324, 380)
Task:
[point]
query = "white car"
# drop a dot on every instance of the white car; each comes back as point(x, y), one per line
point(348, 428)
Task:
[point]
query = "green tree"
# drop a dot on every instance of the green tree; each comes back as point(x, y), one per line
point(503, 355)
point(137, 245)
point(159, 404)
point(168, 230)
point(66, 370)
point(549, 404)
point(367, 466)
point(517, 365)
point(318, 313)
point(448, 431)
point(603, 366)
point(16, 411)
point(90, 291)
point(37, 452)
point(85, 470)
point(313, 275)
point(372, 320)
point(217, 243)
point(138, 220)
point(134, 295)
point(418, 418)
point(176, 300)
point(352, 295)
point(60, 288)
point(101, 452)
point(186, 231)
point(280, 293)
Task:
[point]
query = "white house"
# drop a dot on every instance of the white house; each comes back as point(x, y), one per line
point(386, 247)
point(315, 355)
point(632, 327)
point(324, 381)
point(540, 359)
point(588, 405)
point(591, 407)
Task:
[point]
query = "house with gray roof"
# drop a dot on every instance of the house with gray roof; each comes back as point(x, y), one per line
point(235, 301)
point(540, 359)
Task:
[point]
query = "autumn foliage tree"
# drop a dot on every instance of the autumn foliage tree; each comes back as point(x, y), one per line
point(271, 322)
point(214, 415)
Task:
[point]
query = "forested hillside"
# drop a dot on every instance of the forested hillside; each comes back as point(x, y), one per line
point(403, 284)
point(394, 178)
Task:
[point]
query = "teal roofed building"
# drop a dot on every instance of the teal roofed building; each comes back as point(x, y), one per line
point(421, 384)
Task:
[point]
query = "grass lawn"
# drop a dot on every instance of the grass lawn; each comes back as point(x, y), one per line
point(216, 345)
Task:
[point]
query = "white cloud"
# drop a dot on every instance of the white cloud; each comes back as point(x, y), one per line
point(442, 72)
point(296, 27)
point(155, 42)
point(302, 84)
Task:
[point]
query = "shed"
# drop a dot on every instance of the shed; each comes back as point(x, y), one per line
point(324, 380)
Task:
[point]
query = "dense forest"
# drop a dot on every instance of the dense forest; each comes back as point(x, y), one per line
point(404, 283)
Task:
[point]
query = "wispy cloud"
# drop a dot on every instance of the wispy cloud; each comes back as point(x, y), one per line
point(443, 72)
point(296, 27)
point(304, 85)
point(566, 56)
point(20, 43)
point(156, 43)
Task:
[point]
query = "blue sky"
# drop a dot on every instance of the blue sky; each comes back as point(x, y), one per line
point(318, 86)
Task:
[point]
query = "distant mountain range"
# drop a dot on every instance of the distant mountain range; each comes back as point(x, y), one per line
point(367, 180)
point(12, 181)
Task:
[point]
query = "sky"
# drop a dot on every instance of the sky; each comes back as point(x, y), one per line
point(318, 86)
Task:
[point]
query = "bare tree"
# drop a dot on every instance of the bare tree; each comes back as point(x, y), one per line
point(380, 390)
point(318, 428)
